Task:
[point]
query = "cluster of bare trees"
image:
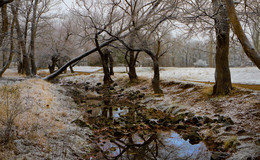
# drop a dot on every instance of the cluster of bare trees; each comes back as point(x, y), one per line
point(134, 28)
point(21, 21)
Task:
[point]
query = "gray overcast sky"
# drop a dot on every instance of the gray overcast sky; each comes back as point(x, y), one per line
point(66, 3)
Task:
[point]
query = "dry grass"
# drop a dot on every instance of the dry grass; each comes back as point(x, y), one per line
point(47, 113)
point(207, 91)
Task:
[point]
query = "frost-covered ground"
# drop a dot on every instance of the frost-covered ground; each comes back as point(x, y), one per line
point(247, 75)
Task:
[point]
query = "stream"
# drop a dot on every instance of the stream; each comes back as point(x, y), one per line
point(127, 131)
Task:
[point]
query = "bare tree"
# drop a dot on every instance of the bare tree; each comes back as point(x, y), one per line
point(222, 75)
point(33, 34)
point(7, 64)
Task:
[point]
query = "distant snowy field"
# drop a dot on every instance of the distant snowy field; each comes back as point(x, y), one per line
point(247, 75)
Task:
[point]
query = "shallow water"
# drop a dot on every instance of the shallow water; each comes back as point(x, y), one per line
point(160, 145)
point(131, 132)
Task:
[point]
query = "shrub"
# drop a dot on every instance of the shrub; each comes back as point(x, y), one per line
point(10, 108)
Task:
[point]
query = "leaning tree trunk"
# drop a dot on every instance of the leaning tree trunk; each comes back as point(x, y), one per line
point(74, 60)
point(223, 83)
point(249, 49)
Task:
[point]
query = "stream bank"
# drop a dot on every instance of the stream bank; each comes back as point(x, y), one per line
point(128, 120)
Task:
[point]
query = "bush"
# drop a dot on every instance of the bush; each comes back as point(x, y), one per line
point(10, 108)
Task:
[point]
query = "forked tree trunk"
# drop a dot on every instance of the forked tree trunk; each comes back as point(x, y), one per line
point(25, 61)
point(104, 60)
point(223, 83)
point(249, 49)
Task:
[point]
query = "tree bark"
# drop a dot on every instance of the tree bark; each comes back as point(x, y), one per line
point(2, 71)
point(104, 58)
point(25, 61)
point(33, 34)
point(223, 83)
point(4, 28)
point(111, 64)
point(132, 71)
point(249, 49)
point(156, 76)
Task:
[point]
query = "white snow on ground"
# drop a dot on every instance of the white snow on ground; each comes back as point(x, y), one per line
point(247, 75)
point(86, 69)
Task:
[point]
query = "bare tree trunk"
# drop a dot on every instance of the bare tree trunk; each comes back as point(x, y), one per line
point(25, 61)
point(132, 71)
point(11, 49)
point(33, 34)
point(104, 58)
point(4, 28)
point(156, 76)
point(223, 83)
point(249, 49)
point(111, 64)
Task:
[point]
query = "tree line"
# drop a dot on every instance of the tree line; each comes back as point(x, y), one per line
point(129, 28)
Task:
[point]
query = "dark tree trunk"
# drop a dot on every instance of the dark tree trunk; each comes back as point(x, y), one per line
point(33, 34)
point(25, 61)
point(11, 50)
point(132, 71)
point(104, 58)
point(4, 27)
point(223, 83)
point(111, 64)
point(54, 60)
point(156, 76)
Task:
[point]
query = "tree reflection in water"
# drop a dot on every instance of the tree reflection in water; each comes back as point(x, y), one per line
point(160, 145)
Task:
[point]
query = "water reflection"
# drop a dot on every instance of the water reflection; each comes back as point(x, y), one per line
point(128, 133)
point(160, 145)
